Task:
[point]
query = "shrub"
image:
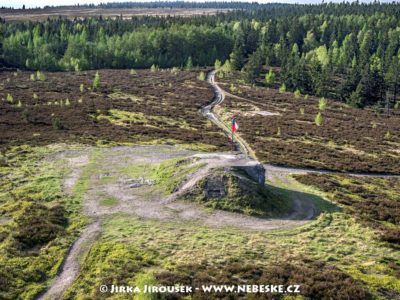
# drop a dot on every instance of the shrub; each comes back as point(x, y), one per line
point(96, 81)
point(388, 135)
point(35, 96)
point(19, 104)
point(153, 68)
point(57, 124)
point(322, 103)
point(174, 70)
point(217, 64)
point(82, 87)
point(10, 98)
point(227, 67)
point(270, 77)
point(302, 110)
point(297, 93)
point(32, 77)
point(67, 103)
point(282, 88)
point(27, 116)
point(38, 225)
point(132, 72)
point(318, 119)
point(201, 76)
point(40, 76)
point(189, 64)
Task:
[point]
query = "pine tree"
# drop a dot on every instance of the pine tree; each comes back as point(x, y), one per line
point(237, 55)
point(217, 64)
point(270, 77)
point(96, 81)
point(201, 76)
point(253, 67)
point(189, 64)
point(392, 79)
point(318, 119)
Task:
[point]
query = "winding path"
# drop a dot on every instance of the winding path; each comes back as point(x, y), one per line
point(243, 147)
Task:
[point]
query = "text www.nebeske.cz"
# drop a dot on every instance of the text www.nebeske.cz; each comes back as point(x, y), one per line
point(150, 289)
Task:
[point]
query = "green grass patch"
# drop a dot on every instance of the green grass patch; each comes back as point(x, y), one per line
point(109, 201)
point(41, 221)
point(127, 118)
point(168, 174)
point(334, 238)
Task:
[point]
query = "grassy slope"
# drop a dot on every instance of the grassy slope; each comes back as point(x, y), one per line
point(130, 247)
point(37, 213)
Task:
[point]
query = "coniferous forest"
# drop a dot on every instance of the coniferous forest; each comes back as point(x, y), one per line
point(348, 52)
point(195, 145)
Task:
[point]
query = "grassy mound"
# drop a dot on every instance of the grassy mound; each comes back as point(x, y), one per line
point(233, 190)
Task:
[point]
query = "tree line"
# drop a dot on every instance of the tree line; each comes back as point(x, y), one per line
point(350, 52)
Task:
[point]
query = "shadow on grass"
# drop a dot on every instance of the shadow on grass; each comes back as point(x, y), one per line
point(301, 205)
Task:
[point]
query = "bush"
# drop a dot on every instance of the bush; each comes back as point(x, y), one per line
point(40, 76)
point(227, 67)
point(318, 119)
point(217, 65)
point(27, 116)
point(175, 70)
point(132, 72)
point(82, 87)
point(10, 98)
point(270, 77)
point(201, 76)
point(282, 88)
point(57, 124)
point(96, 81)
point(322, 103)
point(189, 64)
point(37, 225)
point(297, 93)
point(153, 68)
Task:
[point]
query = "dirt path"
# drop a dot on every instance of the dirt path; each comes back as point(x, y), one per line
point(219, 97)
point(70, 267)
